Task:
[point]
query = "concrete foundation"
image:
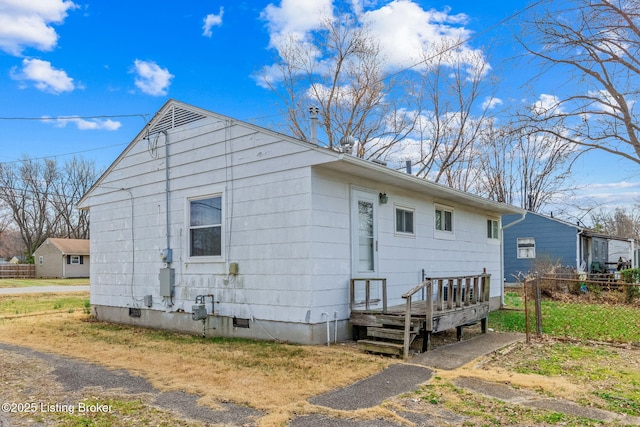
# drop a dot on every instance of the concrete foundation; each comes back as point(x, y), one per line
point(220, 326)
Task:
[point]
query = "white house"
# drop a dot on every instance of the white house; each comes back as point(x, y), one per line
point(63, 258)
point(266, 230)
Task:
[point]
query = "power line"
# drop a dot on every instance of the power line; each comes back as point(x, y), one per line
point(53, 156)
point(47, 118)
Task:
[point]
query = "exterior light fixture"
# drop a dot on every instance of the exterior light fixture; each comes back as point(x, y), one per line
point(383, 198)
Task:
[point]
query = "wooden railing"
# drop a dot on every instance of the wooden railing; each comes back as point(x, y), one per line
point(368, 301)
point(463, 291)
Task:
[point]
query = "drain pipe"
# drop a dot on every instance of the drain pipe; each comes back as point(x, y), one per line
point(523, 215)
point(328, 330)
point(335, 327)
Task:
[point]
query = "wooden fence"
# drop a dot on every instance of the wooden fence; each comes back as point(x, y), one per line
point(17, 271)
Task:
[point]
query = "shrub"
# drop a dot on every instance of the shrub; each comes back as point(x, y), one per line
point(631, 275)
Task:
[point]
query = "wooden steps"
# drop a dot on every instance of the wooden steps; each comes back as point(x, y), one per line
point(387, 336)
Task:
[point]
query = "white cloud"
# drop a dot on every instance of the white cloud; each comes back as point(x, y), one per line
point(490, 103)
point(44, 76)
point(150, 78)
point(405, 32)
point(210, 21)
point(83, 124)
point(28, 24)
point(547, 104)
point(296, 17)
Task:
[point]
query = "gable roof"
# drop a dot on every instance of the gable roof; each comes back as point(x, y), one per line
point(70, 246)
point(175, 113)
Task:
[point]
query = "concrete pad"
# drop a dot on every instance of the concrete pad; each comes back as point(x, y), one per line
point(372, 391)
point(454, 355)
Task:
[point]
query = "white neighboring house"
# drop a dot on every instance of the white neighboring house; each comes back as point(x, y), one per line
point(267, 230)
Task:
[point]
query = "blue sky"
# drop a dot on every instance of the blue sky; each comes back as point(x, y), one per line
point(114, 64)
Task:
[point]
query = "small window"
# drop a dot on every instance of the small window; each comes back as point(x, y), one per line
point(526, 247)
point(492, 229)
point(404, 221)
point(41, 259)
point(205, 227)
point(444, 219)
point(75, 259)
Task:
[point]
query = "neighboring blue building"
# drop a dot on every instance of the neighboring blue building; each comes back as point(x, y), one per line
point(539, 237)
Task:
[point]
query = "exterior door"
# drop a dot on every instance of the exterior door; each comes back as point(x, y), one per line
point(364, 239)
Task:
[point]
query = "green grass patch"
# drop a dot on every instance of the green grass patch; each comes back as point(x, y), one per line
point(598, 322)
point(33, 303)
point(24, 283)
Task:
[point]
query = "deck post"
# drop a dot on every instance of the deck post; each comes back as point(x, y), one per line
point(407, 329)
point(352, 294)
point(467, 292)
point(428, 324)
point(367, 293)
point(486, 287)
point(384, 295)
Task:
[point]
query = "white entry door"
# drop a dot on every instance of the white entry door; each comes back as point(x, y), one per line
point(364, 238)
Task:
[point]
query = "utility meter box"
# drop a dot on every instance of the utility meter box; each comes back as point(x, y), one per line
point(198, 312)
point(167, 280)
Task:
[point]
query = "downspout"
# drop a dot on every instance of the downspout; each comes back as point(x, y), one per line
point(504, 227)
point(579, 250)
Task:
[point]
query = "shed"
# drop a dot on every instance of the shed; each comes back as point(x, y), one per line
point(62, 258)
point(257, 234)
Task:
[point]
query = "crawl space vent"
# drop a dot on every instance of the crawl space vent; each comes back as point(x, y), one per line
point(175, 117)
point(240, 323)
point(135, 312)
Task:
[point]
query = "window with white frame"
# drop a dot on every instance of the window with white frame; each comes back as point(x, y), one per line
point(75, 259)
point(444, 219)
point(404, 221)
point(493, 228)
point(205, 226)
point(526, 247)
point(41, 259)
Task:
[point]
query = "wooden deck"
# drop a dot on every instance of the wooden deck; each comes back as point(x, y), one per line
point(436, 305)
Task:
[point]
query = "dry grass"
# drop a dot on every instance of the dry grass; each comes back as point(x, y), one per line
point(280, 378)
point(220, 370)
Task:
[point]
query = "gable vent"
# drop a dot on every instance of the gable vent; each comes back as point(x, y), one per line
point(175, 117)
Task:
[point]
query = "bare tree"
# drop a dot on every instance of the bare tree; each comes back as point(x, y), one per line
point(620, 222)
point(41, 198)
point(75, 179)
point(453, 96)
point(522, 166)
point(26, 188)
point(597, 44)
point(340, 71)
point(499, 176)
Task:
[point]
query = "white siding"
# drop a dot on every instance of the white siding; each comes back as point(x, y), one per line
point(401, 258)
point(268, 224)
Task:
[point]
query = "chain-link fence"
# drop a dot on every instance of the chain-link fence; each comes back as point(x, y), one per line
point(576, 306)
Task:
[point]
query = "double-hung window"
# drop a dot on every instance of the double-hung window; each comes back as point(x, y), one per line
point(444, 219)
point(404, 221)
point(493, 229)
point(205, 226)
